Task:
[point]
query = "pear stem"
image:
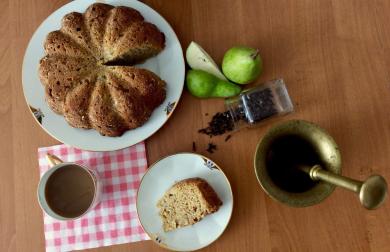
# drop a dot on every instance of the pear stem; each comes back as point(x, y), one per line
point(255, 54)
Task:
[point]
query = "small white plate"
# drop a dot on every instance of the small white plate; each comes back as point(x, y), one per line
point(169, 65)
point(159, 178)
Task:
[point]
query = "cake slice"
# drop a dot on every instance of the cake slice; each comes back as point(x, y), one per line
point(141, 41)
point(119, 20)
point(95, 20)
point(187, 202)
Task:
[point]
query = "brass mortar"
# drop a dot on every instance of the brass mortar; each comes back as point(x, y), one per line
point(325, 146)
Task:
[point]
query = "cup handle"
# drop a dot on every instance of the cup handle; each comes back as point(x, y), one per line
point(53, 159)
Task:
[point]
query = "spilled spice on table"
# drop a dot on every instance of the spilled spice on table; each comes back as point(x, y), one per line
point(193, 146)
point(219, 124)
point(211, 148)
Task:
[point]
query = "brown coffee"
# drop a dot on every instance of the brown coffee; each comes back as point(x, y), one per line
point(70, 191)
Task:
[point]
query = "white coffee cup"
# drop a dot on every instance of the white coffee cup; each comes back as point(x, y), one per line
point(57, 164)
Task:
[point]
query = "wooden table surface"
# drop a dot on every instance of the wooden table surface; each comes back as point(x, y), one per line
point(335, 59)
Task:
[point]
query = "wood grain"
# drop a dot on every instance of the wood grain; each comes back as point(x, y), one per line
point(335, 58)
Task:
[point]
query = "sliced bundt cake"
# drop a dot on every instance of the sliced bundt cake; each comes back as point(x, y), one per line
point(187, 202)
point(87, 72)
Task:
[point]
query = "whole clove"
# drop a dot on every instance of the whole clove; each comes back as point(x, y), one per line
point(211, 148)
point(219, 124)
point(193, 146)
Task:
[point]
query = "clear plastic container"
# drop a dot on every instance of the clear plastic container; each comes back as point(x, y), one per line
point(259, 103)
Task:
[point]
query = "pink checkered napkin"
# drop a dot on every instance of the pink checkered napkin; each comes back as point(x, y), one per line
point(114, 220)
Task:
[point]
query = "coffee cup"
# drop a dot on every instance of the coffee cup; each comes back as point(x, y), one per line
point(68, 190)
point(299, 164)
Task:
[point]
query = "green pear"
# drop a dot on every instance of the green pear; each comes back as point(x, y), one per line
point(205, 85)
point(242, 65)
point(198, 58)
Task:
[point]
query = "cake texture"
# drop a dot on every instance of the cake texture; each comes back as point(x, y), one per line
point(88, 71)
point(187, 202)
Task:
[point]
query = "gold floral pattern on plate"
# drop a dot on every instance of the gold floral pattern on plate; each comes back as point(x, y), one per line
point(209, 164)
point(169, 108)
point(37, 114)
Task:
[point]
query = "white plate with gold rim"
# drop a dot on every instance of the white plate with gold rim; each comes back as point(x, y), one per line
point(159, 178)
point(169, 65)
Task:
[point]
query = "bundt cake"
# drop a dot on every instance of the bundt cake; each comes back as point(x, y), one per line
point(87, 69)
point(187, 202)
